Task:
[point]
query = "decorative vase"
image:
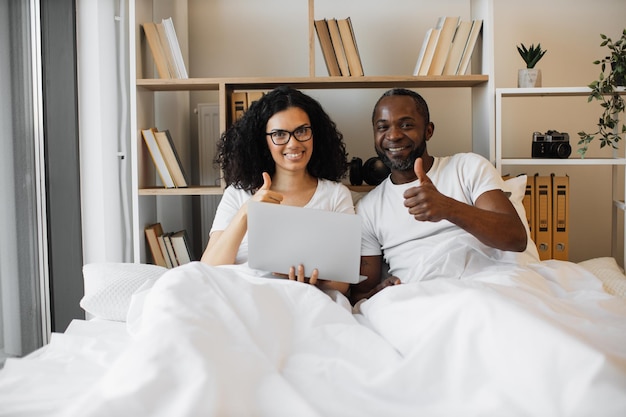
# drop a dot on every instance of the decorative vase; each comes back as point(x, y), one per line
point(529, 78)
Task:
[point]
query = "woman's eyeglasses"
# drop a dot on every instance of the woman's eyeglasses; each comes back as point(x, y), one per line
point(282, 137)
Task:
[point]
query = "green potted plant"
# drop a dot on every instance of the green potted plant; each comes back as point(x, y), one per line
point(609, 90)
point(530, 76)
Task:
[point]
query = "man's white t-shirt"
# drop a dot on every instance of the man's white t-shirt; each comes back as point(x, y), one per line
point(329, 195)
point(390, 230)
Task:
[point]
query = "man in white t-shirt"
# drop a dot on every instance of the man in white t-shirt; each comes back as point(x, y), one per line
point(430, 209)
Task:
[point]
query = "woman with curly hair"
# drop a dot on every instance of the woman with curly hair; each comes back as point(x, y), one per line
point(285, 149)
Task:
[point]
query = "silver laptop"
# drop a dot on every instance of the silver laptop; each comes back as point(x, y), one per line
point(283, 236)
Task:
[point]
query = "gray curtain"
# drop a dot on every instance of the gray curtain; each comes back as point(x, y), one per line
point(23, 272)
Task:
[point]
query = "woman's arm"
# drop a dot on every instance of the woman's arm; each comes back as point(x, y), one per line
point(224, 244)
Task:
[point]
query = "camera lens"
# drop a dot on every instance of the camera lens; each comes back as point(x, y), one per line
point(563, 150)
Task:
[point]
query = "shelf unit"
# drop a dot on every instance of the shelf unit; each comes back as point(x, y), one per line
point(227, 85)
point(145, 192)
point(615, 161)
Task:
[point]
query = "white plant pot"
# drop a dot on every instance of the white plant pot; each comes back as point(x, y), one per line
point(529, 78)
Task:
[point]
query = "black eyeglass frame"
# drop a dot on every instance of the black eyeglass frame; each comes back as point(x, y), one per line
point(305, 130)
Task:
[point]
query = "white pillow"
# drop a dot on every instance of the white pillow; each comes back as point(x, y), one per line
point(517, 187)
point(609, 272)
point(109, 287)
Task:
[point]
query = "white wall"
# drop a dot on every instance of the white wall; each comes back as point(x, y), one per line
point(270, 38)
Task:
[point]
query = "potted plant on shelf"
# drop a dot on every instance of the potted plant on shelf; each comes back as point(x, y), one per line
point(530, 76)
point(609, 90)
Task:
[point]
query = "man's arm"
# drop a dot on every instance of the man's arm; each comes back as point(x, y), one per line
point(492, 220)
point(495, 222)
point(371, 267)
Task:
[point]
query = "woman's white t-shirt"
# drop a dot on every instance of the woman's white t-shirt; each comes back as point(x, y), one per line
point(329, 195)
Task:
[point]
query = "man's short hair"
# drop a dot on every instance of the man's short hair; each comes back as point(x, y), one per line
point(420, 103)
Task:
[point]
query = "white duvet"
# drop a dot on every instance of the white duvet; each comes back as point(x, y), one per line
point(541, 340)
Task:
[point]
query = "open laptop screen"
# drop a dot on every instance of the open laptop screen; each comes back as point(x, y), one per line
point(282, 236)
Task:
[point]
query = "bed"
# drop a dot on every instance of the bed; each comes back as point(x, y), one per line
point(544, 338)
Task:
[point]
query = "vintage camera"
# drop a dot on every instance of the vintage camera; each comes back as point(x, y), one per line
point(551, 144)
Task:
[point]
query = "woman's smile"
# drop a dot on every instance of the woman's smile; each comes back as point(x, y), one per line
point(294, 156)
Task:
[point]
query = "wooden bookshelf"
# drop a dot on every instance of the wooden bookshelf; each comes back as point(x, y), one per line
point(149, 93)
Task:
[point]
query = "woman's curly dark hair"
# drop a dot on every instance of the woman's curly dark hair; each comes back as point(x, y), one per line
point(243, 153)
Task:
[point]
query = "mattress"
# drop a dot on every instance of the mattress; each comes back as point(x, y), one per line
point(44, 382)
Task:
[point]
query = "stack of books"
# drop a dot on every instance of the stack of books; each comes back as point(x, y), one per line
point(163, 43)
point(165, 157)
point(339, 47)
point(448, 47)
point(168, 249)
point(546, 202)
point(241, 100)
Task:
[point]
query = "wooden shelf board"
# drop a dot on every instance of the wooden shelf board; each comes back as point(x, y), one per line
point(201, 190)
point(361, 188)
point(196, 190)
point(548, 91)
point(259, 83)
point(568, 161)
point(179, 84)
point(543, 91)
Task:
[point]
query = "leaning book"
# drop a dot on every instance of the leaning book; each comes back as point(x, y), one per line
point(157, 157)
point(182, 250)
point(172, 159)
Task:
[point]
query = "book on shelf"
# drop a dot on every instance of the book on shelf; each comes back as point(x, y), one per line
point(529, 205)
point(239, 104)
point(470, 46)
point(348, 39)
point(425, 56)
point(174, 47)
point(253, 96)
point(546, 204)
point(153, 232)
point(172, 159)
point(447, 26)
point(166, 255)
point(560, 217)
point(338, 46)
point(157, 157)
point(326, 44)
point(157, 50)
point(180, 244)
point(457, 47)
point(241, 101)
point(167, 50)
point(170, 249)
point(543, 216)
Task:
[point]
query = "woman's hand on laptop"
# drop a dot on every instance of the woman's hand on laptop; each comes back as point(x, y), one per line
point(322, 284)
point(300, 277)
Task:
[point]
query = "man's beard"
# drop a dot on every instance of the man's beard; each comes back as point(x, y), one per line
point(402, 164)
